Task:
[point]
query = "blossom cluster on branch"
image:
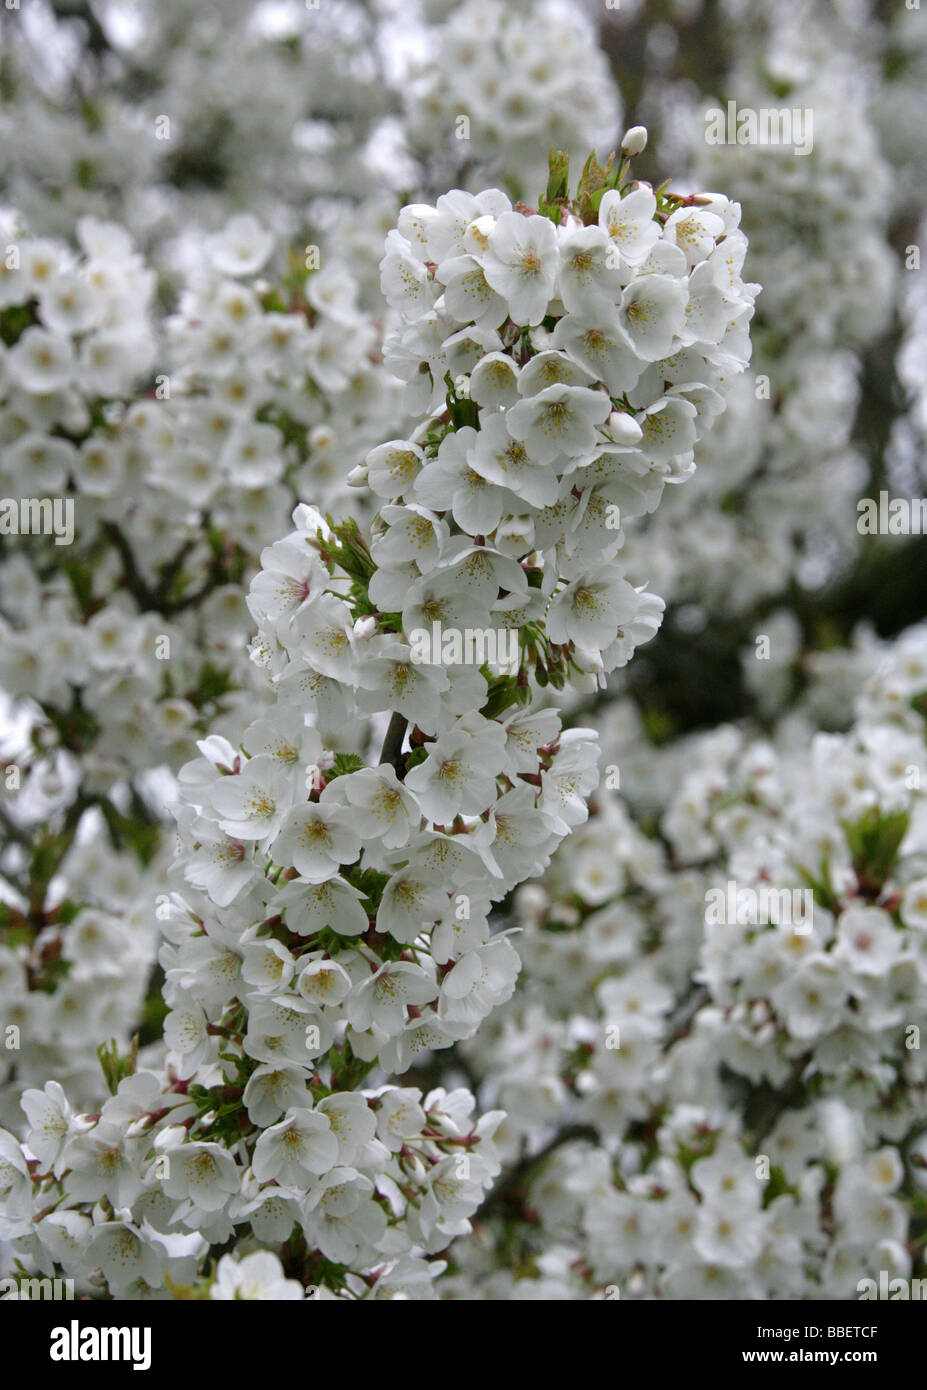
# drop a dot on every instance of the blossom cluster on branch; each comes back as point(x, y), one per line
point(713, 1071)
point(166, 456)
point(332, 913)
point(786, 470)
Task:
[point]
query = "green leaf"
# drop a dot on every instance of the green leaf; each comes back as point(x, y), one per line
point(349, 550)
point(594, 178)
point(463, 411)
point(211, 685)
point(344, 763)
point(116, 1068)
point(873, 841)
point(504, 691)
point(14, 321)
point(348, 1071)
point(821, 886)
point(593, 183)
point(558, 185)
point(371, 883)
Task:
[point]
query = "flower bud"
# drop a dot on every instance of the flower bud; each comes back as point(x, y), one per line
point(634, 141)
point(840, 1130)
point(169, 1138)
point(623, 428)
point(311, 520)
point(532, 901)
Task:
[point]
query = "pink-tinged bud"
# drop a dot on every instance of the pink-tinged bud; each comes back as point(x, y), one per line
point(365, 627)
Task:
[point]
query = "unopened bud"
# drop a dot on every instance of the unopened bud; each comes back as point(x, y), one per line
point(635, 140)
point(311, 520)
point(358, 476)
point(623, 428)
point(169, 1138)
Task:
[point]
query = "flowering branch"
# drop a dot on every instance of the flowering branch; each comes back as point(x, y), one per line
point(333, 915)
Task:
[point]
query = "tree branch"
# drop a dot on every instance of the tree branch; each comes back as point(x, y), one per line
point(510, 1189)
point(392, 744)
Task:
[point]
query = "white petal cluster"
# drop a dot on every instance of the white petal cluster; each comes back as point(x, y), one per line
point(782, 472)
point(332, 910)
point(591, 358)
point(750, 1088)
point(498, 85)
point(180, 115)
point(261, 397)
point(75, 970)
point(179, 461)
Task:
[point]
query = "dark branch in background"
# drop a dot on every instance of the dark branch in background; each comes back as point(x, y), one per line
point(769, 1104)
point(156, 598)
point(131, 574)
point(512, 1190)
point(392, 744)
point(701, 58)
point(689, 681)
point(682, 1020)
point(13, 834)
point(82, 10)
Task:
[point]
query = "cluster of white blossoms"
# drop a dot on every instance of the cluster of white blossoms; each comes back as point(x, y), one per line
point(785, 472)
point(75, 972)
point(498, 85)
point(172, 117)
point(883, 49)
point(902, 57)
point(715, 1053)
point(143, 471)
point(68, 155)
point(522, 316)
point(76, 325)
point(77, 336)
point(332, 909)
point(160, 505)
point(168, 118)
point(275, 388)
